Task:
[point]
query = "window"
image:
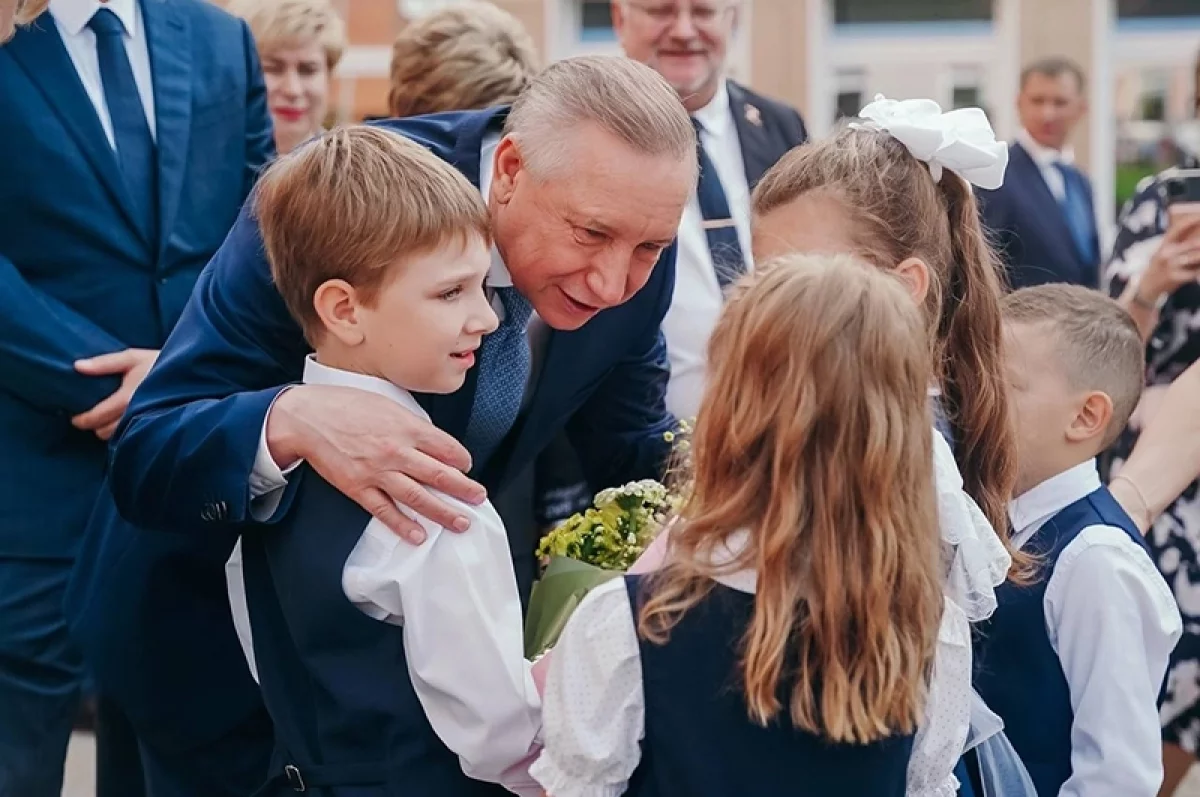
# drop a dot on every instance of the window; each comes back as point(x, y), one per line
point(852, 12)
point(1148, 9)
point(595, 21)
point(1152, 99)
point(965, 87)
point(849, 98)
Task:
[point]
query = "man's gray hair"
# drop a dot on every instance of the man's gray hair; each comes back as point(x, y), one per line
point(623, 97)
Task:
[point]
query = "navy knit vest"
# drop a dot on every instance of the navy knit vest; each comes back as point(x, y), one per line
point(1017, 672)
point(347, 719)
point(700, 742)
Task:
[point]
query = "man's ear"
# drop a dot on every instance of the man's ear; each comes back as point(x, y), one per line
point(1093, 418)
point(508, 164)
point(336, 303)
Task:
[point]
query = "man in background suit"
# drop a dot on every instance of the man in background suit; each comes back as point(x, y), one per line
point(741, 134)
point(1043, 215)
point(586, 181)
point(132, 132)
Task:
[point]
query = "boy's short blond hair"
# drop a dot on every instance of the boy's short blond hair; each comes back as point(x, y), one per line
point(283, 23)
point(461, 58)
point(351, 203)
point(1098, 343)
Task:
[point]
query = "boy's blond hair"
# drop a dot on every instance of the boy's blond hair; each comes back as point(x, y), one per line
point(462, 58)
point(1098, 344)
point(348, 204)
point(277, 23)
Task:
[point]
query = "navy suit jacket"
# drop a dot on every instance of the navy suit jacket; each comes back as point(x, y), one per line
point(77, 277)
point(184, 453)
point(766, 130)
point(1030, 229)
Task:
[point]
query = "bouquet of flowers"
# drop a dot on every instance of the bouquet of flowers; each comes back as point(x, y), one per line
point(596, 545)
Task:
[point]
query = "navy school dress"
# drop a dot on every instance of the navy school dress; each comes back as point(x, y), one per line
point(1017, 672)
point(348, 722)
point(700, 742)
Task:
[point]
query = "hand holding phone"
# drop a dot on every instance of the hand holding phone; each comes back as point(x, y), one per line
point(1177, 261)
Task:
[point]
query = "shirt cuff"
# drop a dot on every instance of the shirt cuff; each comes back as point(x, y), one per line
point(559, 783)
point(267, 479)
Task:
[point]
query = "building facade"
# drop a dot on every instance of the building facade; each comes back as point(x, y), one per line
point(830, 57)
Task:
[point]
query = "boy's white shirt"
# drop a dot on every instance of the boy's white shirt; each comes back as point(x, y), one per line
point(1112, 622)
point(455, 596)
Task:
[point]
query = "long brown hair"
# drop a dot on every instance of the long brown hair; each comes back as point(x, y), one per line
point(813, 436)
point(899, 212)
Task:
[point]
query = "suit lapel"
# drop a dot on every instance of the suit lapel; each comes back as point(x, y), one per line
point(758, 154)
point(1046, 211)
point(167, 38)
point(40, 51)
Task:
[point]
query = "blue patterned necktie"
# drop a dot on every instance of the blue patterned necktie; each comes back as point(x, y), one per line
point(131, 131)
point(504, 362)
point(719, 228)
point(1077, 211)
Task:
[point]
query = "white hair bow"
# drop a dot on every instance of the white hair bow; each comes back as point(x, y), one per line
point(962, 141)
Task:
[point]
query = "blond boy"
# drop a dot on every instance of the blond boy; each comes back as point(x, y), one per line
point(408, 660)
point(1074, 661)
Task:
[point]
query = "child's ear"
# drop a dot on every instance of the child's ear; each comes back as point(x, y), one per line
point(337, 303)
point(1093, 418)
point(915, 274)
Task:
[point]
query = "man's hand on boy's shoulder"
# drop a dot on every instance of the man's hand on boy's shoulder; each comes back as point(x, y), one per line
point(376, 452)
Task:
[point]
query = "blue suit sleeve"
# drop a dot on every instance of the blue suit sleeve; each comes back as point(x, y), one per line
point(618, 432)
point(190, 435)
point(40, 342)
point(260, 137)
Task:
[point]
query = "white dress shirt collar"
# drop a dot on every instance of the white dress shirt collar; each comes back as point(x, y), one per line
point(1044, 156)
point(74, 15)
point(1031, 509)
point(497, 276)
point(317, 374)
point(715, 117)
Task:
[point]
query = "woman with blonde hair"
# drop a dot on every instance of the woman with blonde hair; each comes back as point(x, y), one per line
point(469, 56)
point(786, 643)
point(300, 43)
point(18, 12)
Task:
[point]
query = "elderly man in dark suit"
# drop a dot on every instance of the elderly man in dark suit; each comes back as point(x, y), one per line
point(585, 181)
point(1043, 215)
point(741, 134)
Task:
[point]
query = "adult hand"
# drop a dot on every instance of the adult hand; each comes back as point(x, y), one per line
point(376, 452)
point(1177, 261)
point(132, 365)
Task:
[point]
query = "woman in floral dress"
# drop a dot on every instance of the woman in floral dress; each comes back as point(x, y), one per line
point(1154, 274)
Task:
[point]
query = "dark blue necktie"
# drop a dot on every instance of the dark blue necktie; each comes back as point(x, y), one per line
point(131, 131)
point(504, 362)
point(718, 223)
point(1077, 211)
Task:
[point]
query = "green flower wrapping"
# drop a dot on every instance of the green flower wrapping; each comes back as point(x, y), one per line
point(597, 545)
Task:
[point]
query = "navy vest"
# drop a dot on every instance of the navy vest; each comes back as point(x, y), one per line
point(1016, 670)
point(700, 741)
point(347, 719)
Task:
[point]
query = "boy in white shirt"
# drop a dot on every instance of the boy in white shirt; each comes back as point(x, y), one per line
point(387, 668)
point(1074, 660)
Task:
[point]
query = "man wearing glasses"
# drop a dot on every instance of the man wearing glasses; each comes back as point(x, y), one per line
point(741, 134)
